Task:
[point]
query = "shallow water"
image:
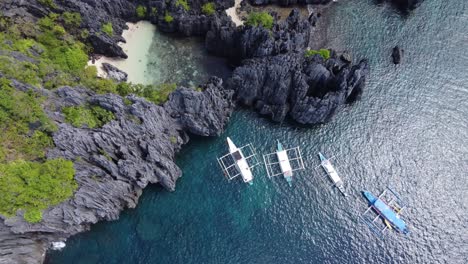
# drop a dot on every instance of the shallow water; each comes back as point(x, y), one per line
point(154, 58)
point(408, 131)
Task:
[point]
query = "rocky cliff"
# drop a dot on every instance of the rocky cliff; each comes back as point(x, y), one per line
point(114, 163)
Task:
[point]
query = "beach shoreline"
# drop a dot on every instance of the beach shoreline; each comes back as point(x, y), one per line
point(138, 38)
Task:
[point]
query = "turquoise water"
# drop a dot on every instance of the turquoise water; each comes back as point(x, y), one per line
point(409, 131)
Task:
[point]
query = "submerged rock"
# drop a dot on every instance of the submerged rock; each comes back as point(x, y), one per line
point(396, 55)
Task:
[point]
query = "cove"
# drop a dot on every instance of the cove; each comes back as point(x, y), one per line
point(155, 58)
point(407, 131)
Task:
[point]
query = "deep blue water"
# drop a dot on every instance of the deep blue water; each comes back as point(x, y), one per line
point(409, 131)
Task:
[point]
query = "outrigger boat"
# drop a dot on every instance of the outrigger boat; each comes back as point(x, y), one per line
point(332, 174)
point(235, 163)
point(388, 212)
point(289, 160)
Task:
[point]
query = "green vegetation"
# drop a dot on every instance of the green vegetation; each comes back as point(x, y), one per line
point(158, 94)
point(325, 53)
point(108, 29)
point(26, 185)
point(208, 8)
point(173, 139)
point(168, 18)
point(141, 11)
point(89, 116)
point(260, 19)
point(154, 11)
point(48, 3)
point(33, 187)
point(184, 4)
point(25, 127)
point(71, 19)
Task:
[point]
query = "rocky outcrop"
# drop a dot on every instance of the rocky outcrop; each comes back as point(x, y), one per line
point(225, 40)
point(308, 90)
point(194, 110)
point(114, 72)
point(114, 163)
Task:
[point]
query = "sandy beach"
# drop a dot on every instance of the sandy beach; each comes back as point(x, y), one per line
point(232, 12)
point(138, 39)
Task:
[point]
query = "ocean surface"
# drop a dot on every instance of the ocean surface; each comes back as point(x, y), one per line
point(409, 131)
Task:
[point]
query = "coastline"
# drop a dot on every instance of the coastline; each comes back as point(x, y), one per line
point(138, 38)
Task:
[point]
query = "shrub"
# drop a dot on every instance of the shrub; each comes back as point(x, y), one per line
point(71, 19)
point(325, 53)
point(158, 94)
point(18, 111)
point(184, 4)
point(48, 3)
point(90, 116)
point(33, 186)
point(173, 139)
point(154, 11)
point(141, 11)
point(168, 18)
point(108, 29)
point(208, 8)
point(260, 19)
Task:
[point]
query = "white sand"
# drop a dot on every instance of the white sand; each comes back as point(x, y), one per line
point(232, 12)
point(139, 37)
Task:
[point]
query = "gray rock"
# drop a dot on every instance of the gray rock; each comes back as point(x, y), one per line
point(114, 72)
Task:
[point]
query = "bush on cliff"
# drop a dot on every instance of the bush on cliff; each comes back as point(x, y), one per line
point(141, 11)
point(89, 116)
point(168, 18)
point(158, 94)
point(71, 19)
point(256, 19)
point(24, 184)
point(25, 127)
point(208, 8)
point(108, 29)
point(325, 53)
point(48, 3)
point(33, 187)
point(184, 4)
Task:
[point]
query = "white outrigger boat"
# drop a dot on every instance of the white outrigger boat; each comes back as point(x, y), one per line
point(331, 172)
point(235, 163)
point(289, 160)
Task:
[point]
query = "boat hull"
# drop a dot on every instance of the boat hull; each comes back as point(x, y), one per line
point(386, 212)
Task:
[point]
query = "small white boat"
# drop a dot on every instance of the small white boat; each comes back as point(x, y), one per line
point(58, 245)
point(241, 162)
point(289, 160)
point(331, 172)
point(235, 163)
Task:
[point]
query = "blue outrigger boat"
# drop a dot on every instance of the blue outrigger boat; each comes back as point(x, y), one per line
point(388, 212)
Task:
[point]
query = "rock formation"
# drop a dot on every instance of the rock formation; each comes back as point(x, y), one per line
point(114, 72)
point(114, 163)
